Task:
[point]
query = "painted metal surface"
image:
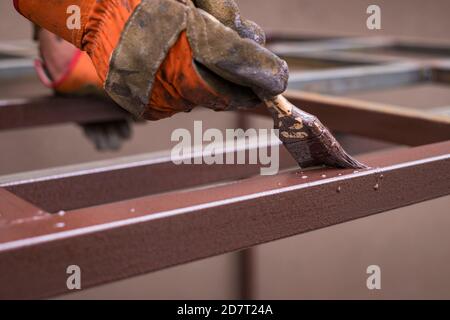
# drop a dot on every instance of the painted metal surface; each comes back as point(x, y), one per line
point(399, 125)
point(119, 240)
point(26, 113)
point(108, 181)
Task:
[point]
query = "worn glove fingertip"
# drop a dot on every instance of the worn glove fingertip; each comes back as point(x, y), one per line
point(277, 81)
point(251, 30)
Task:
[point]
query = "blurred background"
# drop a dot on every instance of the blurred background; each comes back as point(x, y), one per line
point(411, 245)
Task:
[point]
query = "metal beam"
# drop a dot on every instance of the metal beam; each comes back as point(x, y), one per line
point(390, 123)
point(119, 240)
point(347, 80)
point(79, 186)
point(373, 120)
point(75, 187)
point(16, 114)
point(16, 210)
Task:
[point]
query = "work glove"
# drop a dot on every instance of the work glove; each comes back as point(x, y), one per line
point(109, 135)
point(227, 12)
point(156, 58)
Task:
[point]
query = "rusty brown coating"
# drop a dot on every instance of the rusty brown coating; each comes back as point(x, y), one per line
point(119, 240)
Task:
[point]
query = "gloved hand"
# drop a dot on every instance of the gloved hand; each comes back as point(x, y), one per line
point(227, 12)
point(108, 136)
point(160, 57)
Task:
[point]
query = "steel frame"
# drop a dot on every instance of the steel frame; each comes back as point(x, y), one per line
point(121, 239)
point(45, 111)
point(131, 216)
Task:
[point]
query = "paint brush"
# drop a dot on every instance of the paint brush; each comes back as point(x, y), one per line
point(305, 137)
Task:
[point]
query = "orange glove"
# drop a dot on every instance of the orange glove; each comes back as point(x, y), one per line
point(160, 57)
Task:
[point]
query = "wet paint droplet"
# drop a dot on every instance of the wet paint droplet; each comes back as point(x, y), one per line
point(60, 225)
point(304, 177)
point(324, 176)
point(133, 210)
point(376, 187)
point(339, 189)
point(340, 174)
point(381, 177)
point(61, 213)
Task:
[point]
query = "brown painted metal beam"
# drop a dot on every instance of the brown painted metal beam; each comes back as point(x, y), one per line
point(383, 122)
point(373, 120)
point(14, 210)
point(118, 240)
point(114, 180)
point(86, 186)
point(15, 114)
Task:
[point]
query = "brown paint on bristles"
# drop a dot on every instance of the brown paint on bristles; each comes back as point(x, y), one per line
point(306, 138)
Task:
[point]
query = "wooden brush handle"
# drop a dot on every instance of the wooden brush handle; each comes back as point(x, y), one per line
point(279, 104)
